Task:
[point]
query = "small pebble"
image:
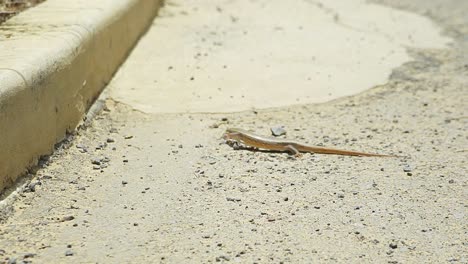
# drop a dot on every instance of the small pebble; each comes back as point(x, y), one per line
point(220, 258)
point(68, 253)
point(96, 161)
point(407, 168)
point(32, 186)
point(101, 146)
point(67, 218)
point(110, 140)
point(232, 199)
point(82, 148)
point(393, 245)
point(278, 131)
point(124, 182)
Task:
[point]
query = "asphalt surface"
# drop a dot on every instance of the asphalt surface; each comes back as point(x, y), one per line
point(134, 186)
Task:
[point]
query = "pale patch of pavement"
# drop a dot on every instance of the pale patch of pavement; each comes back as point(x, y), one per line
point(221, 56)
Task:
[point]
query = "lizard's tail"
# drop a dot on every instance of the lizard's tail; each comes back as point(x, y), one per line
point(342, 152)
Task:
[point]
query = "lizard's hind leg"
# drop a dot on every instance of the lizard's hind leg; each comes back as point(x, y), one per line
point(293, 151)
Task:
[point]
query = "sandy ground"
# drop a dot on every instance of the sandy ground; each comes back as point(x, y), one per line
point(135, 187)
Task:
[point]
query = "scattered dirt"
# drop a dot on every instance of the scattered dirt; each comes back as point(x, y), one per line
point(162, 188)
point(9, 8)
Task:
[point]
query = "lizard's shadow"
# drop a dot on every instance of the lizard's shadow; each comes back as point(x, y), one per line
point(239, 147)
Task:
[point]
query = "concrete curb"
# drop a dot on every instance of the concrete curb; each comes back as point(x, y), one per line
point(55, 60)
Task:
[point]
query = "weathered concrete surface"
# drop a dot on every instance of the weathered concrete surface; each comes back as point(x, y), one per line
point(212, 56)
point(55, 59)
point(167, 191)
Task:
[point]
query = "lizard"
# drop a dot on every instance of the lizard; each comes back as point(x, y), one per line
point(253, 140)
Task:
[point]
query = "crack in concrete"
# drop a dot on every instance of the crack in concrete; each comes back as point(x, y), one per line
point(337, 19)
